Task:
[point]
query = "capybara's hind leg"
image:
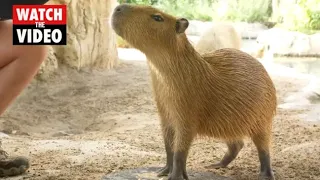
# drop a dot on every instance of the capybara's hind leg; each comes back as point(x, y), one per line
point(234, 148)
point(262, 142)
point(168, 135)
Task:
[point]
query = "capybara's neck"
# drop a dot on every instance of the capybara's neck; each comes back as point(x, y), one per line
point(178, 62)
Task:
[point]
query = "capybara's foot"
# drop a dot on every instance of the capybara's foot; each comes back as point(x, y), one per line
point(165, 171)
point(233, 151)
point(173, 176)
point(179, 171)
point(262, 143)
point(266, 176)
point(176, 178)
point(216, 166)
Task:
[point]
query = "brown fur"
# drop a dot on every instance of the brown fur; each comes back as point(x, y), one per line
point(219, 36)
point(226, 94)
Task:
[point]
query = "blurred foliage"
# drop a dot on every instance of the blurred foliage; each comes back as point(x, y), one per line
point(191, 9)
point(121, 43)
point(247, 10)
point(206, 10)
point(299, 15)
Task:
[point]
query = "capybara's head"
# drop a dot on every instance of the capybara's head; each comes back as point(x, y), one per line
point(147, 28)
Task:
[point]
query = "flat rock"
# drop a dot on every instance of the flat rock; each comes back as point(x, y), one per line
point(3, 135)
point(150, 174)
point(286, 42)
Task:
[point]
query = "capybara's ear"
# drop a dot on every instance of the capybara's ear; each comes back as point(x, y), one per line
point(181, 25)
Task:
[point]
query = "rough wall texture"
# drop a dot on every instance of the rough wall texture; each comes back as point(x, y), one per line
point(91, 42)
point(49, 65)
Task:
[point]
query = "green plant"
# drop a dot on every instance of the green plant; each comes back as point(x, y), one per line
point(135, 1)
point(247, 10)
point(314, 22)
point(200, 10)
point(302, 16)
point(191, 9)
point(206, 10)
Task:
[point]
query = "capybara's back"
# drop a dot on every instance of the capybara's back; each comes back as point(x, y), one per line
point(220, 35)
point(243, 99)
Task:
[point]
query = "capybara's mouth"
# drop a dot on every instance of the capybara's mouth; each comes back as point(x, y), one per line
point(115, 23)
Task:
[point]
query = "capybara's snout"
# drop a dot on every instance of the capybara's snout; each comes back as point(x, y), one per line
point(122, 8)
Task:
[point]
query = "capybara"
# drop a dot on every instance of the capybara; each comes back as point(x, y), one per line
point(219, 36)
point(226, 94)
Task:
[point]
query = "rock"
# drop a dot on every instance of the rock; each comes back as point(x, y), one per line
point(300, 45)
point(220, 35)
point(315, 43)
point(249, 30)
point(307, 97)
point(3, 135)
point(193, 39)
point(313, 88)
point(15, 132)
point(314, 114)
point(150, 174)
point(90, 40)
point(60, 134)
point(197, 28)
point(279, 40)
point(290, 43)
point(49, 65)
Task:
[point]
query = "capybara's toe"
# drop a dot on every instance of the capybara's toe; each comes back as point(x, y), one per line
point(164, 171)
point(266, 177)
point(176, 178)
point(216, 166)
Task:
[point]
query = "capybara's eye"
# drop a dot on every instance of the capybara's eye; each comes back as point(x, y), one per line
point(157, 18)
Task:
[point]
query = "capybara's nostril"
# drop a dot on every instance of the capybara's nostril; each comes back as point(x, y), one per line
point(121, 8)
point(118, 9)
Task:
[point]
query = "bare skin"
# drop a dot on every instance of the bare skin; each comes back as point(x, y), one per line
point(18, 65)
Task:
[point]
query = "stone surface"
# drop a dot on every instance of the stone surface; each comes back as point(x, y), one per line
point(3, 135)
point(49, 65)
point(220, 35)
point(150, 174)
point(314, 86)
point(284, 42)
point(249, 30)
point(315, 43)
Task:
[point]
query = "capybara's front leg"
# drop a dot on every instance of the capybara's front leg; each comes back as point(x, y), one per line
point(234, 148)
point(179, 166)
point(168, 135)
point(182, 145)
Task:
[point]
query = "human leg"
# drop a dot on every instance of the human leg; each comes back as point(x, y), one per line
point(18, 65)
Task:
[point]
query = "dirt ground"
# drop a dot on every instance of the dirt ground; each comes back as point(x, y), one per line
point(83, 125)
